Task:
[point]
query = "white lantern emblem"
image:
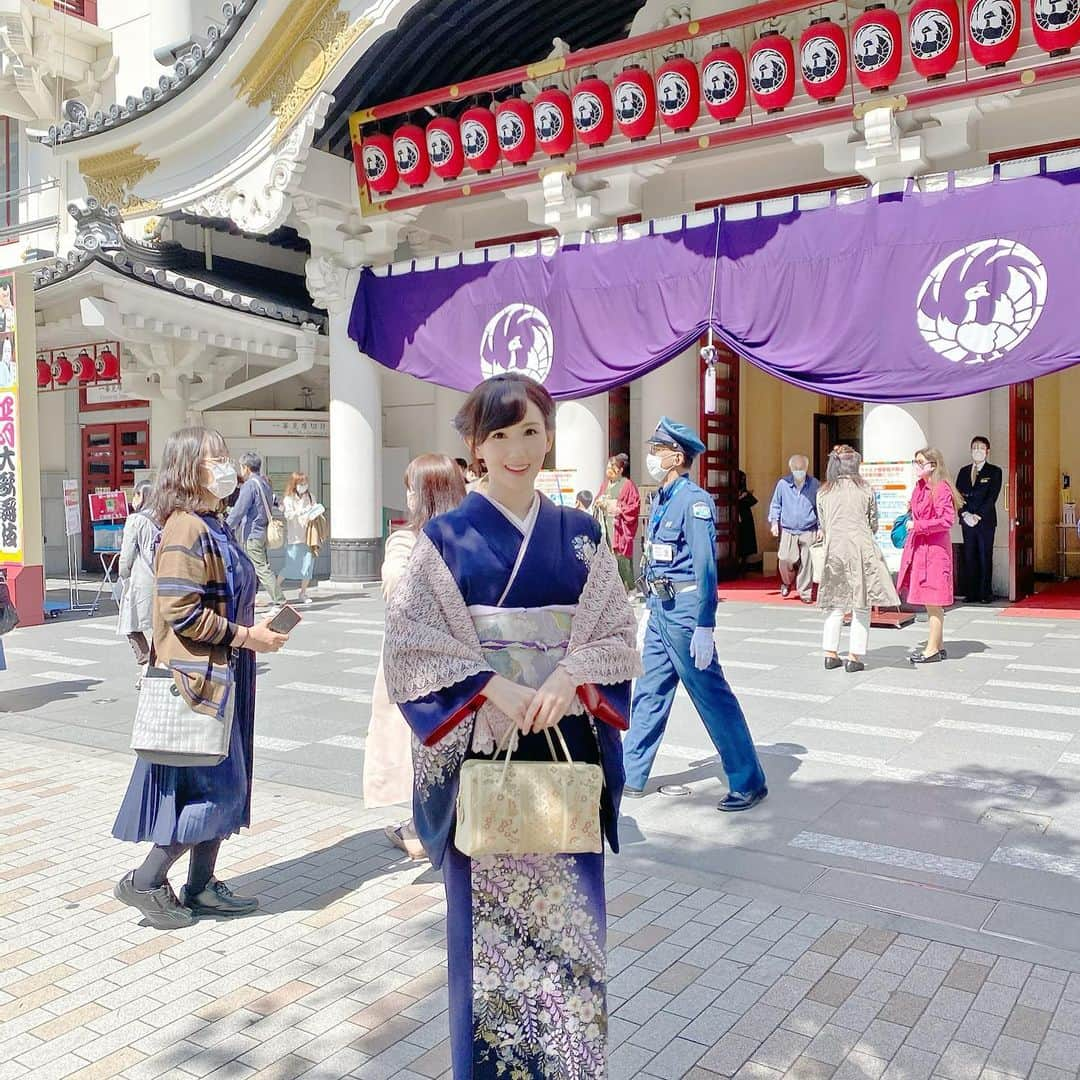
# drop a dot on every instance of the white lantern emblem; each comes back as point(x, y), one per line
point(517, 338)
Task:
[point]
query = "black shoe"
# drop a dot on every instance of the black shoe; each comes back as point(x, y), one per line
point(217, 899)
point(833, 662)
point(633, 793)
point(159, 906)
point(785, 590)
point(921, 658)
point(854, 665)
point(733, 801)
point(920, 649)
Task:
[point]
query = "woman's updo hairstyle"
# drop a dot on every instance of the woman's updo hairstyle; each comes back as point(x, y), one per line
point(501, 402)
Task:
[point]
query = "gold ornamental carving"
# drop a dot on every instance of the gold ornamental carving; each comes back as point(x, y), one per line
point(299, 52)
point(111, 177)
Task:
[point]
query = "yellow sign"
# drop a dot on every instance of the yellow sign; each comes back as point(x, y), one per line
point(11, 539)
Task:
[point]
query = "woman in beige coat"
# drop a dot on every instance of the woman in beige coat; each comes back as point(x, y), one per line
point(433, 485)
point(854, 577)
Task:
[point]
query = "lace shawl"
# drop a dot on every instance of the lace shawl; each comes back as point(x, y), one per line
point(431, 642)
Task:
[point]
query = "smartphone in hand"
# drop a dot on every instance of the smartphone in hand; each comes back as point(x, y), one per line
point(285, 619)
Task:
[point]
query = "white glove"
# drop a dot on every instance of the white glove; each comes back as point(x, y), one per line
point(702, 647)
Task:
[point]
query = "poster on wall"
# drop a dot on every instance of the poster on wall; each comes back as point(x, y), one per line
point(892, 484)
point(72, 511)
point(11, 541)
point(557, 485)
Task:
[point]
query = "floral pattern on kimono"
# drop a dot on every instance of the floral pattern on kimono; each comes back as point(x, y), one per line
point(539, 1004)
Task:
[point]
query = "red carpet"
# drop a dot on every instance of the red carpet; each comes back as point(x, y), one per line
point(755, 589)
point(1054, 600)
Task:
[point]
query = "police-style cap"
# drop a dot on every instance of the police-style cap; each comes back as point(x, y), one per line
point(677, 436)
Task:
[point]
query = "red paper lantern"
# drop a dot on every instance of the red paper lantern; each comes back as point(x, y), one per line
point(553, 121)
point(107, 364)
point(480, 139)
point(772, 71)
point(411, 156)
point(993, 31)
point(678, 95)
point(84, 367)
point(635, 103)
point(44, 373)
point(1055, 25)
point(514, 125)
point(723, 82)
point(444, 147)
point(934, 37)
point(594, 111)
point(377, 154)
point(876, 47)
point(823, 58)
point(62, 371)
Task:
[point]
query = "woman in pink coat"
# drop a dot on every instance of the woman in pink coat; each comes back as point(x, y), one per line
point(926, 568)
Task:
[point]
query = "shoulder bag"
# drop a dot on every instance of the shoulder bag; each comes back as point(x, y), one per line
point(275, 529)
point(509, 807)
point(167, 731)
point(900, 530)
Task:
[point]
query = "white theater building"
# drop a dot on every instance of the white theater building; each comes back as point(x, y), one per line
point(219, 232)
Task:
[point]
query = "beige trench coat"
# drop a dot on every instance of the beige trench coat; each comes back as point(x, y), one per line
point(388, 770)
point(855, 576)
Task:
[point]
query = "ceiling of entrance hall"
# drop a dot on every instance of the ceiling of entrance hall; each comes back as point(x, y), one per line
point(441, 42)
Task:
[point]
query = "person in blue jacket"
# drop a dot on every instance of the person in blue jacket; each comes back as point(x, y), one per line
point(679, 578)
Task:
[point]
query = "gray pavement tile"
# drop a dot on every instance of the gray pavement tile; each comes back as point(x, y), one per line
point(709, 1025)
point(809, 1017)
point(1041, 994)
point(644, 1004)
point(759, 1021)
point(1039, 1071)
point(627, 1061)
point(730, 1053)
point(832, 1044)
point(856, 962)
point(834, 942)
point(811, 966)
point(720, 974)
point(767, 970)
point(981, 1029)
point(1051, 974)
point(903, 1008)
point(833, 989)
point(754, 1070)
point(1010, 972)
point(962, 1061)
point(952, 1004)
point(677, 1058)
point(857, 1013)
point(792, 946)
point(879, 985)
point(910, 1064)
point(693, 1000)
point(781, 1049)
point(748, 951)
point(874, 940)
point(996, 998)
point(810, 1069)
point(740, 996)
point(858, 1066)
point(923, 980)
point(676, 978)
point(1059, 1050)
point(940, 955)
point(964, 975)
point(1014, 1057)
point(882, 1039)
point(1027, 1023)
point(787, 992)
point(898, 959)
point(932, 1033)
point(1067, 1017)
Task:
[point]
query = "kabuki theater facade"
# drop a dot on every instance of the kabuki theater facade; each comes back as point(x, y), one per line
point(324, 221)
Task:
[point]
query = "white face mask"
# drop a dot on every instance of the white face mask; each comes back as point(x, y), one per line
point(654, 466)
point(978, 455)
point(412, 501)
point(301, 489)
point(222, 478)
point(798, 475)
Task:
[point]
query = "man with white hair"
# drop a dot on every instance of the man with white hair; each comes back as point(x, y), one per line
point(793, 517)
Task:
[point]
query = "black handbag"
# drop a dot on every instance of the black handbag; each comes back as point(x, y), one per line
point(9, 617)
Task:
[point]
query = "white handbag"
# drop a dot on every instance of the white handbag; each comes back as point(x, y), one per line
point(509, 807)
point(167, 731)
point(817, 561)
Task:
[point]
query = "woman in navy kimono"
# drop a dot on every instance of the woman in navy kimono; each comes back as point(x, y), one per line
point(513, 618)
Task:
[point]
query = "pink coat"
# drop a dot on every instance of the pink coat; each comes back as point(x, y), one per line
point(926, 567)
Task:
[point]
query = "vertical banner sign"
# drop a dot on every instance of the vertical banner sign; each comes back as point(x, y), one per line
point(11, 541)
point(72, 512)
point(892, 484)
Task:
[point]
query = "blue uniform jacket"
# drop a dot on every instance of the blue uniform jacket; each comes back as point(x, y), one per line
point(682, 518)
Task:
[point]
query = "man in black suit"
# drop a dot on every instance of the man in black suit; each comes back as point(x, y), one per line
point(980, 484)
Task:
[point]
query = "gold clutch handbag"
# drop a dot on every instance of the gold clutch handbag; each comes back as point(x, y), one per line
point(509, 807)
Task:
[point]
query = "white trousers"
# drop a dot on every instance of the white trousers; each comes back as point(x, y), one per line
point(860, 631)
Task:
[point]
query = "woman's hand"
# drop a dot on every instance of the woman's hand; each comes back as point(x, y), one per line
point(550, 702)
point(509, 698)
point(262, 639)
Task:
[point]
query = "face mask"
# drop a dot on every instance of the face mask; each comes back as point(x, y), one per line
point(222, 478)
point(978, 456)
point(799, 475)
point(301, 489)
point(654, 466)
point(924, 470)
point(412, 501)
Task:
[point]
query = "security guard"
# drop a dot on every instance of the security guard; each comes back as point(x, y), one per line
point(679, 578)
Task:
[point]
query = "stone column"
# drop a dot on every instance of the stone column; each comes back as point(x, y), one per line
point(581, 429)
point(167, 415)
point(356, 527)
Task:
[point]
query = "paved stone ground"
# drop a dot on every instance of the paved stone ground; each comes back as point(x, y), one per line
point(903, 905)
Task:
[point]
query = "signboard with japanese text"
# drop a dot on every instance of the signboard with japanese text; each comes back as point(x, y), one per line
point(557, 485)
point(11, 538)
point(892, 483)
point(108, 505)
point(72, 510)
point(288, 428)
